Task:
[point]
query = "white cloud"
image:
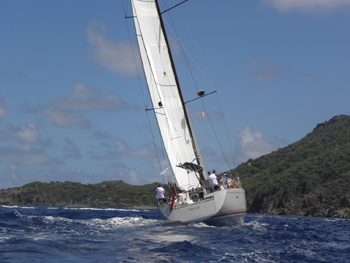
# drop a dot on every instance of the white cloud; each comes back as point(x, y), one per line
point(120, 171)
point(144, 151)
point(116, 57)
point(123, 149)
point(65, 119)
point(262, 70)
point(83, 98)
point(63, 111)
point(132, 177)
point(27, 156)
point(252, 145)
point(3, 106)
point(307, 5)
point(26, 133)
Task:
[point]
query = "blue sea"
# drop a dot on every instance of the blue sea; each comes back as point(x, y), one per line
point(67, 234)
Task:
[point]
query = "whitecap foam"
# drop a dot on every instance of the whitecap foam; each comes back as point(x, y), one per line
point(104, 209)
point(9, 206)
point(171, 237)
point(257, 225)
point(5, 238)
point(334, 219)
point(27, 207)
point(81, 208)
point(201, 224)
point(119, 222)
point(125, 210)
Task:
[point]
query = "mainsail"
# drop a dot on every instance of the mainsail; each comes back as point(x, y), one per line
point(165, 93)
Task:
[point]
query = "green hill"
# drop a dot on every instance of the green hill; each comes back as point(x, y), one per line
point(115, 194)
point(310, 177)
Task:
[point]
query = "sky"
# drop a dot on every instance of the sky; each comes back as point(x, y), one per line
point(72, 106)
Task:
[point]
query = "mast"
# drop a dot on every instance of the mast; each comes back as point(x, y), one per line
point(165, 93)
point(177, 80)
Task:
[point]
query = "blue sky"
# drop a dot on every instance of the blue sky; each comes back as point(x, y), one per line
point(71, 108)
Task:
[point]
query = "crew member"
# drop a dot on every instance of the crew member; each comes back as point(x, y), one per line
point(213, 180)
point(182, 197)
point(161, 195)
point(226, 180)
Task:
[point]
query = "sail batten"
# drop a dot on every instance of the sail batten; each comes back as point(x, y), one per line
point(164, 90)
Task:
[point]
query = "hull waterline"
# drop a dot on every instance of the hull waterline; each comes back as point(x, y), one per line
point(221, 208)
point(233, 211)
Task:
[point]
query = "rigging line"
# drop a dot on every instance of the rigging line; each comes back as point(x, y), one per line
point(209, 73)
point(216, 136)
point(191, 73)
point(125, 8)
point(209, 141)
point(189, 69)
point(212, 126)
point(200, 39)
point(173, 7)
point(153, 77)
point(135, 62)
point(144, 101)
point(228, 139)
point(183, 53)
point(179, 92)
point(210, 84)
point(188, 66)
point(149, 61)
point(205, 63)
point(164, 155)
point(150, 68)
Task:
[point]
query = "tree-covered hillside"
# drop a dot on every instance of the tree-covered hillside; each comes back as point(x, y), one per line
point(105, 194)
point(310, 177)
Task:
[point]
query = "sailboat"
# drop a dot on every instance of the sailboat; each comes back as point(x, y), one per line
point(223, 207)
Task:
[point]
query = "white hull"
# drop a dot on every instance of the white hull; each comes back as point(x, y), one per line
point(233, 211)
point(221, 208)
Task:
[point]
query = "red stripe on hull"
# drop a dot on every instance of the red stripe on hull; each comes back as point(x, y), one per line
point(231, 213)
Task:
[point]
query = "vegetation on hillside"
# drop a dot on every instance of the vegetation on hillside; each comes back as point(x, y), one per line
point(308, 177)
point(105, 194)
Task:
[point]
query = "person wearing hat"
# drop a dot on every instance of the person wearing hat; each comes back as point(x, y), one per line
point(161, 195)
point(226, 180)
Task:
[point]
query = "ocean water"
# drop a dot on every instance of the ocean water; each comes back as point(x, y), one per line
point(61, 234)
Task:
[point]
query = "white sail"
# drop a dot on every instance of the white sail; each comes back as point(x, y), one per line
point(222, 207)
point(165, 94)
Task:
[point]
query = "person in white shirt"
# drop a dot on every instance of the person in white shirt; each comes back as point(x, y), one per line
point(161, 195)
point(226, 181)
point(213, 180)
point(182, 197)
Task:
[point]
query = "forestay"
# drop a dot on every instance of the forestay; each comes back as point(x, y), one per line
point(164, 92)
